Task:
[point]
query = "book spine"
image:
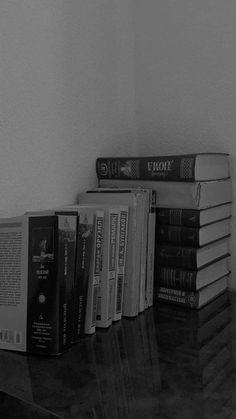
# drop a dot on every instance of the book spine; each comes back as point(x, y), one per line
point(186, 236)
point(150, 258)
point(95, 273)
point(43, 332)
point(109, 260)
point(67, 229)
point(176, 256)
point(121, 261)
point(169, 168)
point(178, 217)
point(183, 298)
point(176, 278)
point(83, 260)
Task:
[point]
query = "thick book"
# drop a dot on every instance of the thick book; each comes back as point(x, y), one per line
point(193, 236)
point(178, 256)
point(193, 299)
point(33, 286)
point(184, 195)
point(191, 279)
point(186, 167)
point(193, 218)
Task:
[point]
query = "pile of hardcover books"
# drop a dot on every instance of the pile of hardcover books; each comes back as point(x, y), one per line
point(194, 196)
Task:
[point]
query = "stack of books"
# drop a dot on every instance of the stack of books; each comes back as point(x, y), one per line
point(194, 195)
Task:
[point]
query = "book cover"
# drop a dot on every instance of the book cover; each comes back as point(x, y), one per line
point(187, 168)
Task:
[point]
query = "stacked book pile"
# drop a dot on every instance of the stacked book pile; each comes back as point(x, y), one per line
point(194, 197)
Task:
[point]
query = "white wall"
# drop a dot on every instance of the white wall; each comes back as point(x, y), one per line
point(186, 80)
point(66, 96)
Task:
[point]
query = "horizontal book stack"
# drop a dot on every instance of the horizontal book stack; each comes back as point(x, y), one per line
point(194, 197)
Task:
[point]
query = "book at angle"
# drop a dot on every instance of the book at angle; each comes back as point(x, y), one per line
point(184, 195)
point(193, 236)
point(193, 218)
point(178, 256)
point(132, 199)
point(185, 167)
point(37, 255)
point(193, 299)
point(191, 279)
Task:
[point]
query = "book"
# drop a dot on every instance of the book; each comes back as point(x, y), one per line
point(194, 299)
point(193, 218)
point(48, 286)
point(193, 236)
point(186, 167)
point(131, 198)
point(33, 286)
point(184, 195)
point(180, 256)
point(94, 266)
point(85, 243)
point(190, 279)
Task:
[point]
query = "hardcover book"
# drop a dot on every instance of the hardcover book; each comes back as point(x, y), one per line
point(34, 286)
point(187, 167)
point(193, 236)
point(184, 195)
point(178, 256)
point(193, 218)
point(193, 299)
point(190, 279)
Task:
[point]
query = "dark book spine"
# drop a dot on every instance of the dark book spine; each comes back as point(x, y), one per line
point(178, 217)
point(183, 298)
point(176, 278)
point(67, 226)
point(185, 236)
point(43, 331)
point(170, 168)
point(83, 261)
point(176, 256)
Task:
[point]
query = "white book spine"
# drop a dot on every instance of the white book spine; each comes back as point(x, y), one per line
point(121, 262)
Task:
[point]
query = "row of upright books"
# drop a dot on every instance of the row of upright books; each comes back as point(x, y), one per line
point(67, 271)
point(193, 225)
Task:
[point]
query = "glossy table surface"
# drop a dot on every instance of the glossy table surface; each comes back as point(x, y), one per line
point(168, 362)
